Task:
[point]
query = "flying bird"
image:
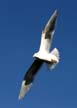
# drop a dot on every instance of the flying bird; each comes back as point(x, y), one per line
point(51, 58)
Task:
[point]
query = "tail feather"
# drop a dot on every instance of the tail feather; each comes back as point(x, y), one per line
point(55, 52)
point(55, 56)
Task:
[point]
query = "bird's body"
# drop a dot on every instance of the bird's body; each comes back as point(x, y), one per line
point(43, 55)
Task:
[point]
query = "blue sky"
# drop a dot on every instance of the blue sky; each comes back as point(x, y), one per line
point(21, 23)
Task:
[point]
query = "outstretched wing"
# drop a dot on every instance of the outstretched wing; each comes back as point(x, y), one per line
point(29, 77)
point(50, 26)
point(47, 33)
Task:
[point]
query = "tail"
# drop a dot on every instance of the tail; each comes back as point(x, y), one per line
point(55, 52)
point(55, 58)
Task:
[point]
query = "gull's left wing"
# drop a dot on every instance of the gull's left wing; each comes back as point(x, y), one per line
point(29, 77)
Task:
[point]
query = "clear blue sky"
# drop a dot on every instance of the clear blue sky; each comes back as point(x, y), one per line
point(21, 23)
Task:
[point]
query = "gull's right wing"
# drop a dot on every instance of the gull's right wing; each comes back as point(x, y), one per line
point(46, 38)
point(48, 32)
point(50, 26)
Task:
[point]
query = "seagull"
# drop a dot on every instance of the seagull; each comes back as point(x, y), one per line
point(51, 58)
